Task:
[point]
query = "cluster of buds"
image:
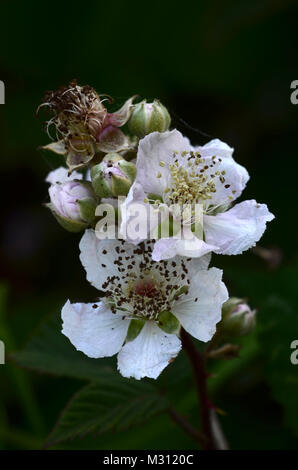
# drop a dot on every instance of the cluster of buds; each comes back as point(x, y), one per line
point(87, 135)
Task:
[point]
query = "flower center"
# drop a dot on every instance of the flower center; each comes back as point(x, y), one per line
point(190, 182)
point(143, 288)
point(146, 288)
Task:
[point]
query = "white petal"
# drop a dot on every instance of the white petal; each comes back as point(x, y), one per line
point(153, 149)
point(98, 256)
point(230, 185)
point(197, 264)
point(236, 176)
point(215, 147)
point(199, 318)
point(95, 331)
point(237, 229)
point(149, 353)
point(133, 206)
point(167, 248)
point(60, 175)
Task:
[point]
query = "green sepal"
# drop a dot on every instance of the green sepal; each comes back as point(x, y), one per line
point(168, 322)
point(56, 147)
point(230, 304)
point(129, 169)
point(134, 329)
point(120, 186)
point(87, 208)
point(69, 225)
point(100, 185)
point(76, 160)
point(154, 197)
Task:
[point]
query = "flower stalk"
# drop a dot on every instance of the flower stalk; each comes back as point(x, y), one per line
point(188, 428)
point(197, 361)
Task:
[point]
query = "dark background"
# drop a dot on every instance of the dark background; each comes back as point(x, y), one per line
point(225, 68)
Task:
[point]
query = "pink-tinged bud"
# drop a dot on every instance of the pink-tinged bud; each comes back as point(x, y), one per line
point(73, 204)
point(237, 318)
point(113, 176)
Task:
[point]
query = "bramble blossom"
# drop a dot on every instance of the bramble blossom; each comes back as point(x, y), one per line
point(171, 173)
point(145, 305)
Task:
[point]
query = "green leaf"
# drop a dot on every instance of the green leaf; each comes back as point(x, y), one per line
point(107, 406)
point(51, 352)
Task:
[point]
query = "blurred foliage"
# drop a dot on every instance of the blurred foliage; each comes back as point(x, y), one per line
point(225, 68)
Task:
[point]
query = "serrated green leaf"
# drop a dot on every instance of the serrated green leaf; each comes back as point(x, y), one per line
point(107, 406)
point(49, 351)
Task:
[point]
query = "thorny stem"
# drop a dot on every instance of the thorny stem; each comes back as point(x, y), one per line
point(197, 361)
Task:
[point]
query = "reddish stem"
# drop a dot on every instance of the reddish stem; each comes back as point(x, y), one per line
point(197, 361)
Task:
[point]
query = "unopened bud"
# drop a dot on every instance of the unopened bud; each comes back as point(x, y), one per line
point(237, 318)
point(113, 176)
point(149, 117)
point(73, 203)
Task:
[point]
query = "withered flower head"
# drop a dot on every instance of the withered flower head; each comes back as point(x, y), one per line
point(77, 111)
point(83, 125)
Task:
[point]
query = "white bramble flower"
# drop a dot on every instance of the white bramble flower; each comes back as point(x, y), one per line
point(144, 306)
point(170, 172)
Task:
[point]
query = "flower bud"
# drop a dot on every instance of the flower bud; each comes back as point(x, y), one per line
point(237, 318)
point(149, 117)
point(73, 203)
point(113, 176)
